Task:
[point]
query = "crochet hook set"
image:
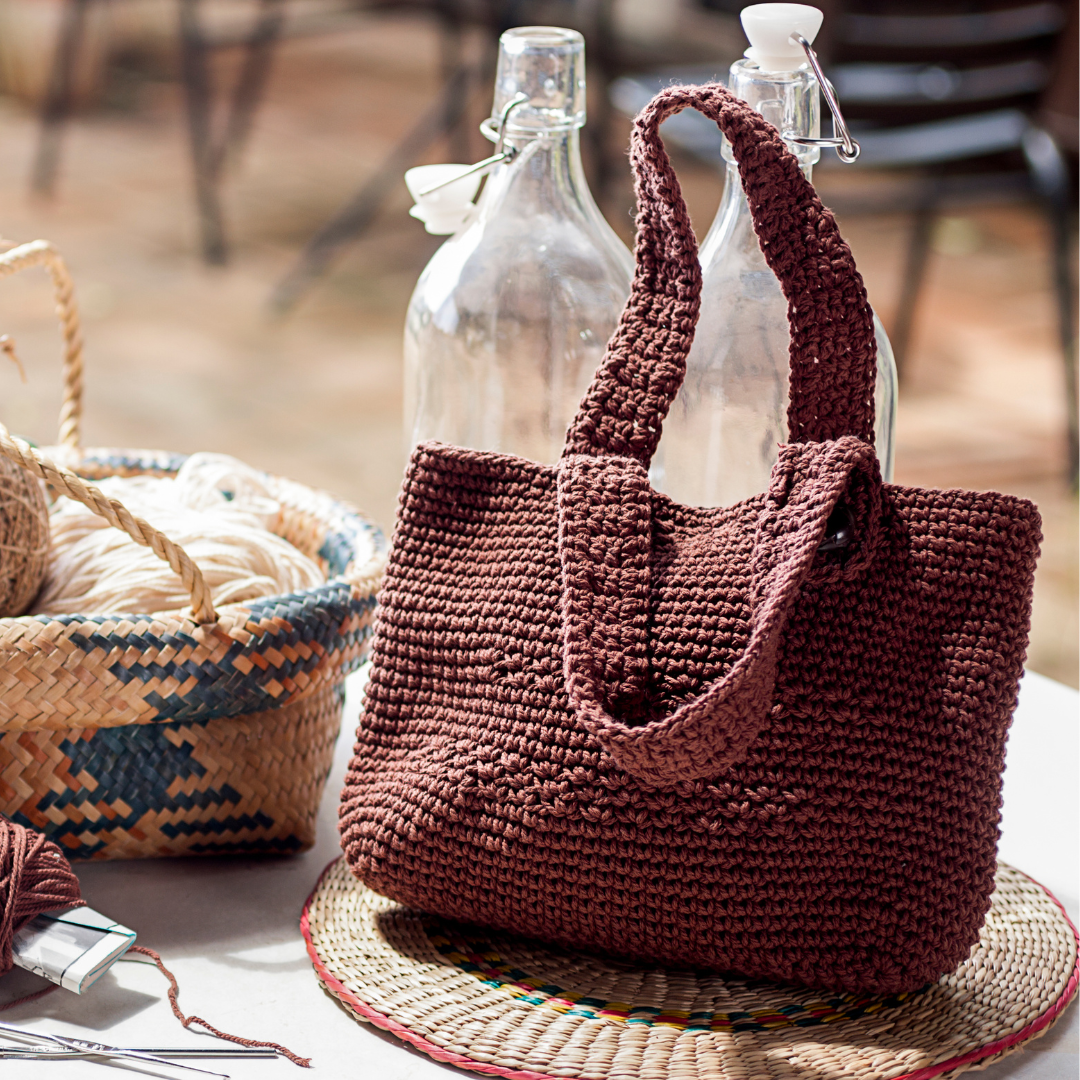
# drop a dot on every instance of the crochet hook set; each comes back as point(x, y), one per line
point(46, 1045)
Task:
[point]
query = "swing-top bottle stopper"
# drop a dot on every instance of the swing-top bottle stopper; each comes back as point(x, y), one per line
point(781, 40)
point(770, 29)
point(443, 195)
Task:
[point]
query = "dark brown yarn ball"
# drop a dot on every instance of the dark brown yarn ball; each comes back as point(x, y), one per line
point(24, 538)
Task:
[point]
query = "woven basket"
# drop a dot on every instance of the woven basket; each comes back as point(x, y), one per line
point(130, 735)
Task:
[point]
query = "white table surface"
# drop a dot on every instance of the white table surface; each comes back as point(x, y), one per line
point(229, 929)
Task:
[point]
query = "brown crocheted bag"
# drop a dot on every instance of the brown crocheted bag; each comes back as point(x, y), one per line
point(709, 737)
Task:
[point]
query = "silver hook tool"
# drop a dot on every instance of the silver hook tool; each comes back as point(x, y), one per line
point(102, 1049)
point(49, 1050)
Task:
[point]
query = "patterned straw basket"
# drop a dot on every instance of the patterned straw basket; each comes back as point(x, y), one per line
point(128, 735)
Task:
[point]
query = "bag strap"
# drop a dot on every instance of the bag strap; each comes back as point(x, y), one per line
point(833, 350)
point(605, 543)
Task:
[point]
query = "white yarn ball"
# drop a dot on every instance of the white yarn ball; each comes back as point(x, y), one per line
point(217, 508)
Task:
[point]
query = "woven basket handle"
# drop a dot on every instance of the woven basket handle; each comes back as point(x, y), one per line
point(833, 349)
point(117, 515)
point(42, 253)
point(605, 544)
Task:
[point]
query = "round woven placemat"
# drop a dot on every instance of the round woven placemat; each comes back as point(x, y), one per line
point(505, 1006)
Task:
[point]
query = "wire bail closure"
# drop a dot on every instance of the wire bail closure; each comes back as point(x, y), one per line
point(847, 149)
point(498, 134)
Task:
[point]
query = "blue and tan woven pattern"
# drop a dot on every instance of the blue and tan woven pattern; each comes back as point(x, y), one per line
point(249, 783)
point(105, 670)
point(126, 735)
point(111, 669)
point(129, 735)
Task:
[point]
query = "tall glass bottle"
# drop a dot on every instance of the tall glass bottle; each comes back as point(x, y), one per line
point(510, 318)
point(720, 439)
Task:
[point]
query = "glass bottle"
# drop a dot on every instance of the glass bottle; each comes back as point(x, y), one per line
point(720, 439)
point(511, 316)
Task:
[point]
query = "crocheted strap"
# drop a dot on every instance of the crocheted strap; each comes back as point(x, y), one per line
point(605, 540)
point(833, 349)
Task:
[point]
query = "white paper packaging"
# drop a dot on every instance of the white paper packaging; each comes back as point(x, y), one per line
point(72, 947)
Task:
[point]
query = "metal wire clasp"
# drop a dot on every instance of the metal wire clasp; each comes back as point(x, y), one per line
point(847, 149)
point(502, 153)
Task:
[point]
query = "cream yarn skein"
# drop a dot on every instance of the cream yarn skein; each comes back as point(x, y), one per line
point(219, 509)
point(24, 538)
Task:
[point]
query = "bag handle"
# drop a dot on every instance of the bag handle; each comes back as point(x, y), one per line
point(833, 350)
point(117, 515)
point(605, 542)
point(42, 253)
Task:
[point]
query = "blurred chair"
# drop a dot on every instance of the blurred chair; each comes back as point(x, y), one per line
point(952, 97)
point(213, 146)
point(210, 152)
point(444, 117)
point(210, 155)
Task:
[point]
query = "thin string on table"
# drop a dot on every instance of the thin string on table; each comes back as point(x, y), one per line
point(35, 877)
point(187, 1021)
point(221, 511)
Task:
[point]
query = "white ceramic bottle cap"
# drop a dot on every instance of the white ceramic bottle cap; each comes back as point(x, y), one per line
point(769, 28)
point(446, 209)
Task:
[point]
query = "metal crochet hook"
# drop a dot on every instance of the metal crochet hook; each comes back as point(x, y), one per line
point(43, 1051)
point(102, 1049)
point(847, 149)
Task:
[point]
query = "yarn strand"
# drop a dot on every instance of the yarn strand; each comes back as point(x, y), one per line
point(187, 1021)
point(28, 997)
point(35, 877)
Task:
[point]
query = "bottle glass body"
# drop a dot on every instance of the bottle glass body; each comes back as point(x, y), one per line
point(721, 438)
point(511, 316)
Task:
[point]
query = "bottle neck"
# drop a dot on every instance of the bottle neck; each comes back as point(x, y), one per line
point(546, 173)
point(790, 101)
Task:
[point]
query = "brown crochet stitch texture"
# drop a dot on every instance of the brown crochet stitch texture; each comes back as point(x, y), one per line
point(686, 735)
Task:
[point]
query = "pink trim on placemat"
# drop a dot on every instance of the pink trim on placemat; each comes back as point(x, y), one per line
point(366, 1012)
point(348, 998)
point(1036, 1026)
